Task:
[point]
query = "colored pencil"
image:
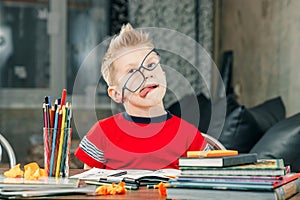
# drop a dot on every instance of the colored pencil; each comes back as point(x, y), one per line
point(46, 139)
point(57, 135)
point(65, 141)
point(53, 143)
point(60, 145)
point(63, 97)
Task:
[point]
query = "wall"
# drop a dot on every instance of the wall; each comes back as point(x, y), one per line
point(264, 35)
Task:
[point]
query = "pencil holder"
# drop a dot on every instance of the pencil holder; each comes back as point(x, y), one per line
point(57, 144)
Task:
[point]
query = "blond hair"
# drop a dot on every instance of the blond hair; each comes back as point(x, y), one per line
point(128, 37)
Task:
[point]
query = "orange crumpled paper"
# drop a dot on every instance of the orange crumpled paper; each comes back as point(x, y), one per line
point(14, 172)
point(162, 188)
point(111, 189)
point(32, 171)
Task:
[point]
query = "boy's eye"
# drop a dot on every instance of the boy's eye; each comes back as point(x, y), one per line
point(151, 65)
point(131, 71)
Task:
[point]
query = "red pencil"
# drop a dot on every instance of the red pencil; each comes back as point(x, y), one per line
point(46, 139)
point(63, 98)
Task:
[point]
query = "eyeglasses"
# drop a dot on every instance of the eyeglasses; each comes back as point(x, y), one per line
point(137, 78)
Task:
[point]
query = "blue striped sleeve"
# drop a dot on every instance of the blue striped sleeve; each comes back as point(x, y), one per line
point(90, 149)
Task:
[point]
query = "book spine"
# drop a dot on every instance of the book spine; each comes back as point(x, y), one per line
point(288, 190)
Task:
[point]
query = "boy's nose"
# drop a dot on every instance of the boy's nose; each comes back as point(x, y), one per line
point(148, 74)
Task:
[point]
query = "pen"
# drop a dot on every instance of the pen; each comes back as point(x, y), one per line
point(111, 179)
point(117, 179)
point(128, 187)
point(155, 186)
point(119, 173)
point(114, 177)
point(152, 186)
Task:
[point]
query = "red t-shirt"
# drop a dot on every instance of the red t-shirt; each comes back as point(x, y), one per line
point(127, 142)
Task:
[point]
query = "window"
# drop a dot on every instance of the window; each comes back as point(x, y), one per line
point(42, 46)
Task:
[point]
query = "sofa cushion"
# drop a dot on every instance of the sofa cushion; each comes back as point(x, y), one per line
point(282, 141)
point(268, 113)
point(240, 131)
point(243, 127)
point(201, 117)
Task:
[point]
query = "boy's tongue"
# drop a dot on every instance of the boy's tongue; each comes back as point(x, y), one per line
point(145, 91)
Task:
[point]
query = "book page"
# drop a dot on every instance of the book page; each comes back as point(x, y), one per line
point(96, 173)
point(140, 173)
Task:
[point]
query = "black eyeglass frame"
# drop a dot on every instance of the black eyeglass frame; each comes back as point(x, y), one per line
point(139, 71)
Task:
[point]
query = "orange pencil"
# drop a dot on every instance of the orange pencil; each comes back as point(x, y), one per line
point(212, 153)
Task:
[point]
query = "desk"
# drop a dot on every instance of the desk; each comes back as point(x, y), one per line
point(142, 193)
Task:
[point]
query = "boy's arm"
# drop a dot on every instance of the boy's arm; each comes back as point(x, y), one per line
point(88, 158)
point(85, 166)
point(90, 150)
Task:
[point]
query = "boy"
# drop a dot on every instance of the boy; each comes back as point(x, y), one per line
point(145, 136)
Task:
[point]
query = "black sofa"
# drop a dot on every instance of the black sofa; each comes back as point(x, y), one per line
point(263, 129)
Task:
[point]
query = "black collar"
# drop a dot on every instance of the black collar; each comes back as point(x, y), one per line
point(147, 120)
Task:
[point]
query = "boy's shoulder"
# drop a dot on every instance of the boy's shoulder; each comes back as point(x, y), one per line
point(182, 121)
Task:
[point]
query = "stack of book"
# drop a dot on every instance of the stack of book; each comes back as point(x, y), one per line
point(239, 176)
point(19, 188)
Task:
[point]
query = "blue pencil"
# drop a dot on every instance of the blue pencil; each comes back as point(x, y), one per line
point(49, 102)
point(53, 142)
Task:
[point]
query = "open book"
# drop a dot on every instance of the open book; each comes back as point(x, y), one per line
point(129, 176)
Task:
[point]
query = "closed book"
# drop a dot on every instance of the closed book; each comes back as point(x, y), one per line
point(45, 182)
point(267, 167)
point(43, 192)
point(225, 161)
point(273, 182)
point(208, 194)
point(236, 191)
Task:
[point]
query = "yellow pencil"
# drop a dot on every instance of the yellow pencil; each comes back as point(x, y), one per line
point(61, 140)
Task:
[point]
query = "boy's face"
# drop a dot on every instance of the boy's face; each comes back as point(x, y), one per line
point(140, 80)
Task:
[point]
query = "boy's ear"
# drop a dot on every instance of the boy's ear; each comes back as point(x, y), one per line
point(114, 94)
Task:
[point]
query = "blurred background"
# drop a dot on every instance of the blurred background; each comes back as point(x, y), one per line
point(44, 42)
